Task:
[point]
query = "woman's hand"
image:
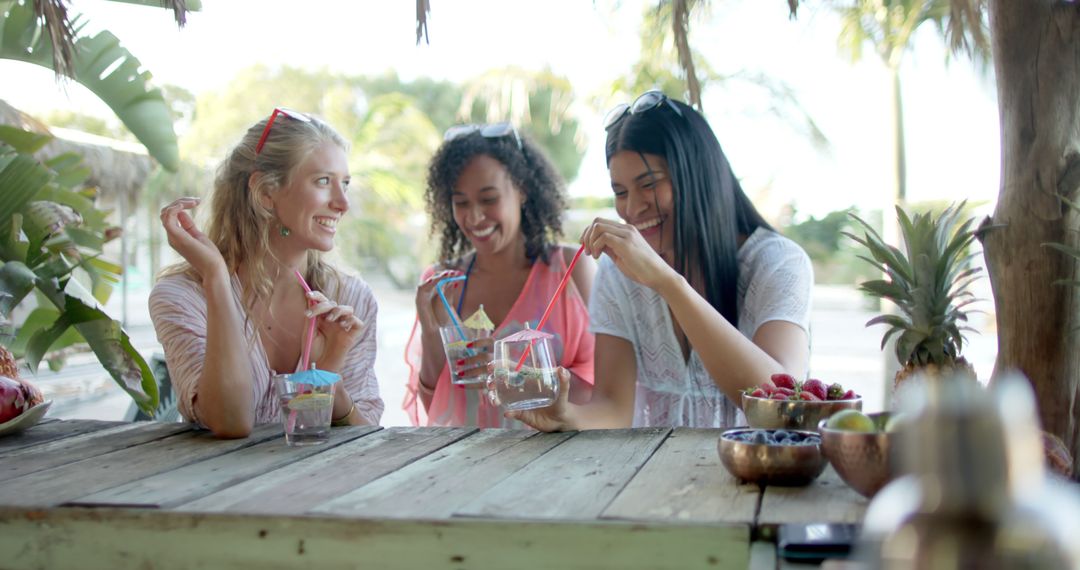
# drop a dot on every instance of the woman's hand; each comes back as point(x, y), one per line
point(188, 241)
point(428, 308)
point(553, 417)
point(630, 252)
point(338, 324)
point(478, 365)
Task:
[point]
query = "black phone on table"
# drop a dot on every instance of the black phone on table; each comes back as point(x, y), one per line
point(816, 541)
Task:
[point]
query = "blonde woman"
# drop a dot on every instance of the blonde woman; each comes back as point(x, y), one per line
point(232, 313)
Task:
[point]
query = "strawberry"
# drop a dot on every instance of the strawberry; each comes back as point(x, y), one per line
point(759, 393)
point(778, 396)
point(849, 395)
point(785, 391)
point(768, 386)
point(835, 392)
point(783, 381)
point(808, 396)
point(815, 387)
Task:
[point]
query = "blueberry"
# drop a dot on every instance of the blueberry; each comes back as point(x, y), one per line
point(759, 437)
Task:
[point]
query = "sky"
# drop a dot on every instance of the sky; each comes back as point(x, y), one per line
point(950, 110)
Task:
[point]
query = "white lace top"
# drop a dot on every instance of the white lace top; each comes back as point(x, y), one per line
point(775, 282)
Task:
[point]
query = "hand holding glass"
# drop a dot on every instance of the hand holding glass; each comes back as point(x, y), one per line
point(525, 374)
point(465, 362)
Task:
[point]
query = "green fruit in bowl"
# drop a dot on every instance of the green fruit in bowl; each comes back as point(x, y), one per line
point(896, 421)
point(851, 420)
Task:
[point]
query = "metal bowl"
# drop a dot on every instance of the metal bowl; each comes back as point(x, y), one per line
point(798, 415)
point(862, 459)
point(770, 464)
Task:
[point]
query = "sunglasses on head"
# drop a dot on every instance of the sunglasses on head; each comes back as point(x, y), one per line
point(490, 131)
point(647, 101)
point(278, 111)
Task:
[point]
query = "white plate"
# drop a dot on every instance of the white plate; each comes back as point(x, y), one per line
point(25, 419)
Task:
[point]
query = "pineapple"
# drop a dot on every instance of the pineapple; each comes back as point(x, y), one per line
point(928, 282)
point(8, 367)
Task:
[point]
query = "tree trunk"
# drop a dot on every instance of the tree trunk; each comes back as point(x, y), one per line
point(899, 156)
point(1036, 45)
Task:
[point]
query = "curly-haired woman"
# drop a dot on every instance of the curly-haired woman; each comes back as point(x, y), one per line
point(496, 203)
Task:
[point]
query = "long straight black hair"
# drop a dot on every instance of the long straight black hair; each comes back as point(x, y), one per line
point(711, 209)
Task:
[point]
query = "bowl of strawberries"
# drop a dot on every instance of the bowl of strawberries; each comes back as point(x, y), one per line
point(784, 402)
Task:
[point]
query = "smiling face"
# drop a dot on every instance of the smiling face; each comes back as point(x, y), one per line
point(315, 199)
point(644, 197)
point(487, 206)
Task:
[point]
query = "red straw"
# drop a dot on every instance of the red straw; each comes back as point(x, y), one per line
point(311, 323)
point(551, 304)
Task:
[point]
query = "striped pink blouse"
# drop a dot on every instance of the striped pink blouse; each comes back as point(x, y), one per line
point(178, 309)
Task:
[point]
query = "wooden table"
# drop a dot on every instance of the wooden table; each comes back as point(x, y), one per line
point(90, 494)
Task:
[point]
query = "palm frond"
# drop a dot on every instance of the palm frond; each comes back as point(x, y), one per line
point(423, 11)
point(62, 29)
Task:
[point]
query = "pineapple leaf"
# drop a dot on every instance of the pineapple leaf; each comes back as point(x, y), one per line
point(1067, 250)
point(891, 320)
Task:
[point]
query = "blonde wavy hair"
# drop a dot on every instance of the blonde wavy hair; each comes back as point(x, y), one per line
point(240, 226)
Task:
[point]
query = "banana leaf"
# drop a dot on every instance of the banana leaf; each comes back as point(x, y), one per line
point(16, 282)
point(21, 177)
point(106, 338)
point(106, 69)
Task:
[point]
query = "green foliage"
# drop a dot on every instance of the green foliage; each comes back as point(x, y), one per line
point(52, 233)
point(835, 260)
point(539, 102)
point(85, 123)
point(889, 26)
point(102, 66)
point(928, 282)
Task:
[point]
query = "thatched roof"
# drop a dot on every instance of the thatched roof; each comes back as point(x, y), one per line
point(117, 168)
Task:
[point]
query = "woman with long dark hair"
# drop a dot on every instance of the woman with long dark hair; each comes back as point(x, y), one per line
point(696, 296)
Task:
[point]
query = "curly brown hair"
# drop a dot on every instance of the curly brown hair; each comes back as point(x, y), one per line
point(531, 171)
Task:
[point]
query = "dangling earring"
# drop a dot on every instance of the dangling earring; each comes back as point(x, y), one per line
point(284, 231)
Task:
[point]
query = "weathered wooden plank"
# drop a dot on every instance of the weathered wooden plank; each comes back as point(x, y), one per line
point(576, 480)
point(66, 482)
point(685, 481)
point(302, 486)
point(827, 499)
point(77, 448)
point(120, 539)
point(50, 431)
point(196, 480)
point(439, 484)
point(762, 555)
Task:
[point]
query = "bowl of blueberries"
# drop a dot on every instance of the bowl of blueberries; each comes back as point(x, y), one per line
point(772, 456)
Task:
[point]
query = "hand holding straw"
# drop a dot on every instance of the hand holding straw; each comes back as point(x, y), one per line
point(551, 304)
point(311, 323)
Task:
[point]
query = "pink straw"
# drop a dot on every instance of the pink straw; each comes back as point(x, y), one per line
point(551, 304)
point(311, 323)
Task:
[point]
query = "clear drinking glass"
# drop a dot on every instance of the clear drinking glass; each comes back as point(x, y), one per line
point(534, 385)
point(305, 410)
point(455, 346)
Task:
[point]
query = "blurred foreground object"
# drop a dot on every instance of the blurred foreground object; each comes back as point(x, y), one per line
point(976, 493)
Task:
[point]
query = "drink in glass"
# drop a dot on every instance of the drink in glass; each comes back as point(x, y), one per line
point(305, 410)
point(535, 383)
point(456, 346)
